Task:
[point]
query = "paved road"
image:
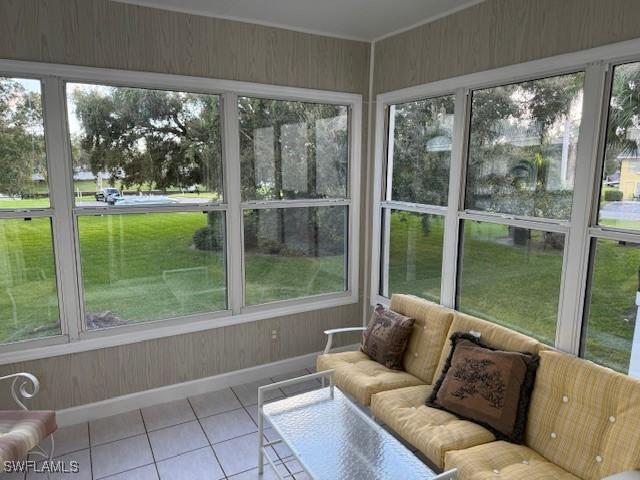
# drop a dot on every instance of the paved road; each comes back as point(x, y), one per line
point(145, 200)
point(625, 210)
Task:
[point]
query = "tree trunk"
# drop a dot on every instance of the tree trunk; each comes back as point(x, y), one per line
point(312, 188)
point(277, 159)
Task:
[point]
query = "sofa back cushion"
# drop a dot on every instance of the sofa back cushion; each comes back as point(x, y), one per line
point(491, 334)
point(432, 322)
point(583, 417)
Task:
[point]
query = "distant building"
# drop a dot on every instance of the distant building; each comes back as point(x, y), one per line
point(629, 177)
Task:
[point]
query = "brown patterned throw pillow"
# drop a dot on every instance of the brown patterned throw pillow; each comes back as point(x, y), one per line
point(386, 337)
point(488, 386)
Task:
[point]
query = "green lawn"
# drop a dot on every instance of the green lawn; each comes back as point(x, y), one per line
point(140, 267)
point(626, 224)
point(613, 311)
point(415, 258)
point(14, 203)
point(144, 267)
point(518, 286)
point(28, 302)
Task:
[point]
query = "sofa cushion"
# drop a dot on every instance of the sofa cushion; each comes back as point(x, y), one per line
point(432, 431)
point(503, 461)
point(584, 417)
point(386, 337)
point(491, 334)
point(430, 329)
point(21, 431)
point(361, 377)
point(488, 386)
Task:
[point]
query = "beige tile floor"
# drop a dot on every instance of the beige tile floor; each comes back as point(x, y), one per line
point(211, 436)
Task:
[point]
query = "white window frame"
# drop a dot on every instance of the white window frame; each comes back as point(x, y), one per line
point(579, 230)
point(75, 337)
point(595, 231)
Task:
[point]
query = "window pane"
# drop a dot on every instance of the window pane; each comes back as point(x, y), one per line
point(612, 336)
point(421, 150)
point(522, 147)
point(140, 267)
point(294, 252)
point(292, 150)
point(619, 205)
point(413, 263)
point(23, 165)
point(133, 146)
point(28, 293)
point(511, 276)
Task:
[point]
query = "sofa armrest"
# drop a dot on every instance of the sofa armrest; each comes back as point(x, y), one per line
point(630, 475)
point(333, 331)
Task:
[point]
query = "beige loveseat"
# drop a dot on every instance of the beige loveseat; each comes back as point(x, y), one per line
point(584, 420)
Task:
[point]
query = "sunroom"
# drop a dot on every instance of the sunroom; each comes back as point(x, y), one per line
point(320, 240)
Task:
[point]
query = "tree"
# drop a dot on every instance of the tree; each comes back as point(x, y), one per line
point(509, 169)
point(22, 151)
point(624, 116)
point(422, 150)
point(292, 150)
point(151, 138)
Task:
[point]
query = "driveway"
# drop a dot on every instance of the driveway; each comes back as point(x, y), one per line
point(624, 210)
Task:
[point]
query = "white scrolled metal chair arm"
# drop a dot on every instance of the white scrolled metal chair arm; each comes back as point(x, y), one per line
point(630, 475)
point(27, 389)
point(333, 331)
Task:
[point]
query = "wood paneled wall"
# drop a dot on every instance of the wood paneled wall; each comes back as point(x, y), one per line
point(496, 33)
point(108, 34)
point(95, 375)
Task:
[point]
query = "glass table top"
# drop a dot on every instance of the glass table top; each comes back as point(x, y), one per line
point(333, 439)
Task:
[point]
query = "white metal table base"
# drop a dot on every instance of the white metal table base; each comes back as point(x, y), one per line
point(262, 445)
point(413, 467)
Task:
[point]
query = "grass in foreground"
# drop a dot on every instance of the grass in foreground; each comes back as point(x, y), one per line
point(518, 286)
point(144, 267)
point(140, 267)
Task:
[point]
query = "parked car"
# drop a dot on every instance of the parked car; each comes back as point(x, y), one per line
point(104, 194)
point(113, 199)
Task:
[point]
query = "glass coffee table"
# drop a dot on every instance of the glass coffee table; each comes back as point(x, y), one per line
point(333, 439)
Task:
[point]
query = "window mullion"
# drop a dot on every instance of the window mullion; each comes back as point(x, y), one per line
point(379, 173)
point(576, 256)
point(455, 196)
point(269, 204)
point(235, 244)
point(60, 175)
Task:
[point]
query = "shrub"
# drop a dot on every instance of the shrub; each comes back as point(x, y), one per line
point(612, 194)
point(208, 238)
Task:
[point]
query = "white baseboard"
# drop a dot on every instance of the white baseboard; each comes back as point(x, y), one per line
point(178, 391)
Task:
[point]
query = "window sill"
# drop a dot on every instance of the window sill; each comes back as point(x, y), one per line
point(125, 335)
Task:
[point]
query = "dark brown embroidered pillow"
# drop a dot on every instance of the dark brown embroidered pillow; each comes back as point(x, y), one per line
point(386, 337)
point(488, 386)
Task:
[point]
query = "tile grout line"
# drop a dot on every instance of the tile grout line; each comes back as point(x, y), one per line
point(215, 455)
point(252, 419)
point(90, 450)
point(124, 471)
point(153, 431)
point(279, 460)
point(153, 455)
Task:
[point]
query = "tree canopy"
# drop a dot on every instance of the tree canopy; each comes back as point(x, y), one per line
point(22, 151)
point(153, 138)
point(623, 127)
